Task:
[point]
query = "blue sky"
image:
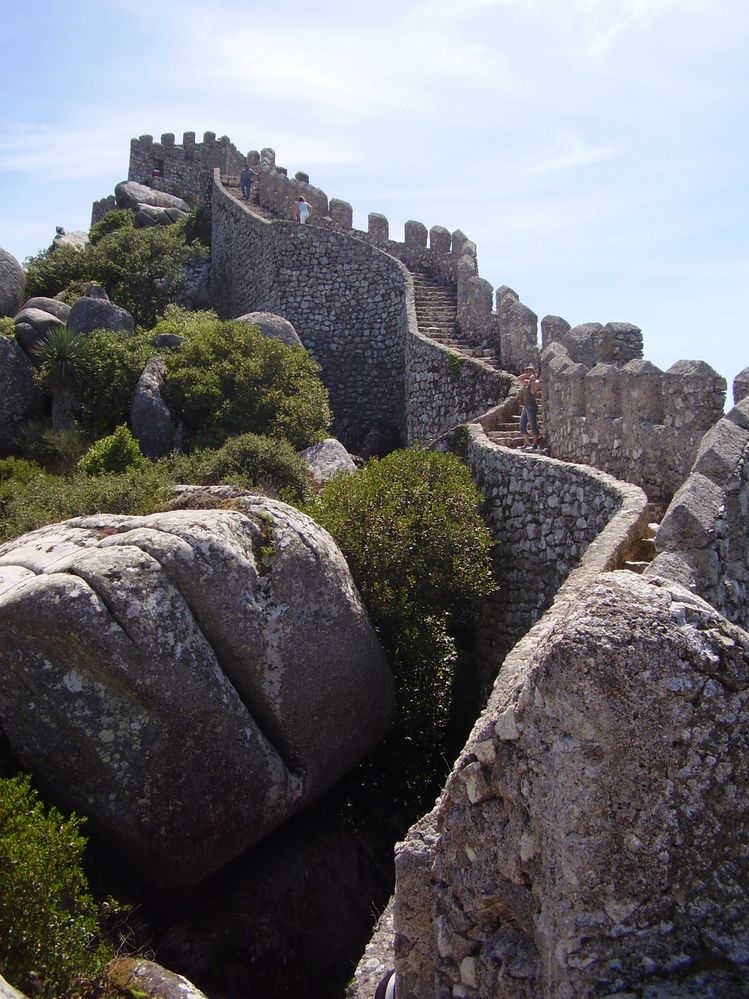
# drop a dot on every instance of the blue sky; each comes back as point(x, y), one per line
point(595, 150)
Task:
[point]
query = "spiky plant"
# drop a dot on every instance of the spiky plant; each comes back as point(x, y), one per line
point(60, 355)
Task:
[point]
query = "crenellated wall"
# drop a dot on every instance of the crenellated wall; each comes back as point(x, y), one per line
point(346, 300)
point(187, 167)
point(605, 406)
point(702, 540)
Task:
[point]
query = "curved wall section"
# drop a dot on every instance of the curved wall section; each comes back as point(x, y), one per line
point(346, 299)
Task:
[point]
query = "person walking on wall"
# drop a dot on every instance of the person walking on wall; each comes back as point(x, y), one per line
point(245, 181)
point(303, 211)
point(529, 417)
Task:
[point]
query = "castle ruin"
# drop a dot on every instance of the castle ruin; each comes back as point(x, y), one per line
point(591, 839)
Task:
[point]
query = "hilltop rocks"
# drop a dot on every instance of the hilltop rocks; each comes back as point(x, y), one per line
point(273, 326)
point(89, 314)
point(131, 195)
point(12, 284)
point(52, 306)
point(187, 679)
point(20, 399)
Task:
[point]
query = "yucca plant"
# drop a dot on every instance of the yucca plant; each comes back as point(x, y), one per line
point(61, 358)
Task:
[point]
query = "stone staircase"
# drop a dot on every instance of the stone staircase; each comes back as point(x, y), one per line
point(644, 551)
point(231, 184)
point(437, 317)
point(507, 433)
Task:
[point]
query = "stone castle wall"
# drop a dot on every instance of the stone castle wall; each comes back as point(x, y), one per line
point(702, 540)
point(346, 299)
point(605, 406)
point(187, 167)
point(545, 514)
point(587, 840)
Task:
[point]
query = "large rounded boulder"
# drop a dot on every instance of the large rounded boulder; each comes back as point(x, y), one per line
point(89, 314)
point(130, 194)
point(187, 679)
point(20, 398)
point(273, 326)
point(12, 284)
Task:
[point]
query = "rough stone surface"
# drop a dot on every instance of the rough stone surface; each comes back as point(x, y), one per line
point(88, 314)
point(8, 992)
point(275, 327)
point(590, 840)
point(146, 979)
point(75, 239)
point(702, 540)
point(150, 418)
point(51, 305)
point(33, 326)
point(132, 195)
point(20, 399)
point(327, 459)
point(629, 419)
point(187, 679)
point(741, 386)
point(12, 284)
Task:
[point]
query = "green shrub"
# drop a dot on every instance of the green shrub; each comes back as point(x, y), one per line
point(140, 269)
point(410, 529)
point(116, 453)
point(118, 218)
point(52, 270)
point(55, 450)
point(7, 326)
point(18, 470)
point(228, 379)
point(48, 499)
point(111, 364)
point(50, 936)
point(250, 461)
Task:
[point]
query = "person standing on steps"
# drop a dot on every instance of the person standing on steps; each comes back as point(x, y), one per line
point(303, 211)
point(245, 181)
point(529, 417)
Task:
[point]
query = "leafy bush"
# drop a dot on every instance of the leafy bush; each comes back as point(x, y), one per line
point(229, 379)
point(251, 461)
point(140, 269)
point(18, 470)
point(55, 450)
point(410, 529)
point(118, 218)
point(52, 270)
point(7, 326)
point(48, 499)
point(116, 453)
point(111, 363)
point(50, 938)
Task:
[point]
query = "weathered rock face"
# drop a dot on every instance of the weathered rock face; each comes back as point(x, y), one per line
point(78, 240)
point(20, 399)
point(51, 305)
point(273, 326)
point(12, 284)
point(702, 539)
point(326, 459)
point(88, 314)
point(32, 327)
point(150, 419)
point(591, 840)
point(138, 977)
point(187, 679)
point(131, 195)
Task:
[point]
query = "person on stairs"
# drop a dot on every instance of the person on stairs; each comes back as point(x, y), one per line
point(529, 416)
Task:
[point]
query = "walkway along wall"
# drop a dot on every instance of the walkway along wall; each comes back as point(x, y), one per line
point(589, 840)
point(352, 305)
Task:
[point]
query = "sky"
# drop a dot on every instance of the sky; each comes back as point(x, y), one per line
point(596, 151)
